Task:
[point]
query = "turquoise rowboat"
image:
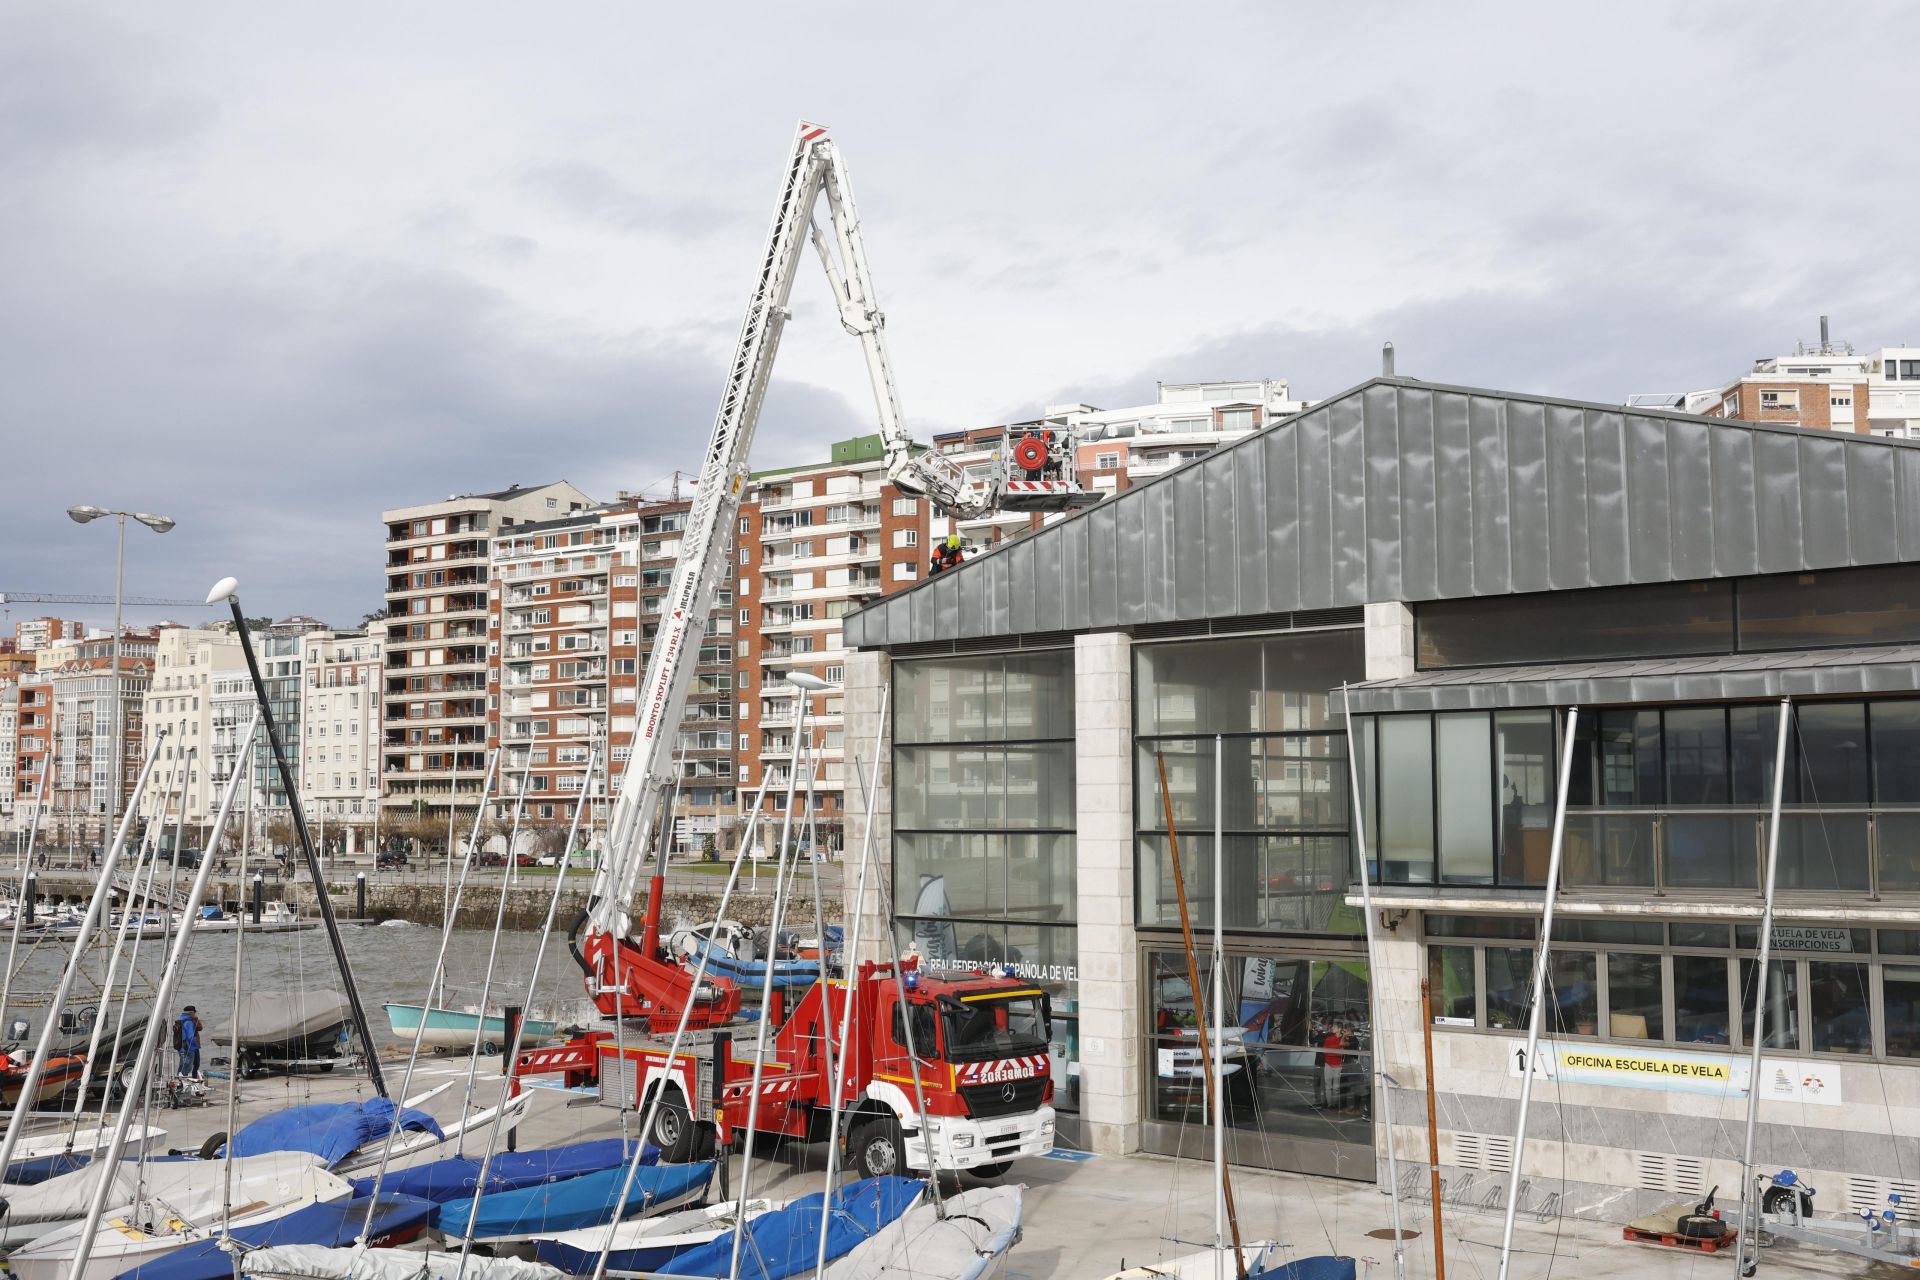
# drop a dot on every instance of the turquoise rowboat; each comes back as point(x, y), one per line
point(457, 1028)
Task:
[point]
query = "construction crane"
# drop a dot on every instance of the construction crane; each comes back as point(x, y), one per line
point(638, 979)
point(10, 598)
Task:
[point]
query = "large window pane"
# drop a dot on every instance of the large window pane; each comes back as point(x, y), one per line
point(1509, 980)
point(1574, 997)
point(1039, 695)
point(1832, 742)
point(1656, 620)
point(1710, 851)
point(1211, 686)
point(1298, 673)
point(1780, 1003)
point(1876, 605)
point(1823, 851)
point(1837, 1005)
point(1609, 850)
point(1040, 786)
point(1524, 740)
point(1450, 986)
point(1896, 839)
point(1242, 889)
point(944, 788)
point(948, 700)
point(1466, 796)
point(1696, 755)
point(1616, 759)
point(1900, 997)
point(1755, 735)
point(1303, 885)
point(1896, 751)
point(1289, 783)
point(1702, 1013)
point(1406, 805)
point(986, 874)
point(1635, 1004)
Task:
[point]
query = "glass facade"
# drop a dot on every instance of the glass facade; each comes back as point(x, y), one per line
point(1830, 989)
point(1835, 608)
point(1672, 798)
point(983, 824)
point(1282, 780)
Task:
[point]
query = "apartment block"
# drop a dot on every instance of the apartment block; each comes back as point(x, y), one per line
point(1116, 448)
point(815, 542)
point(339, 771)
point(576, 605)
point(180, 700)
point(82, 688)
point(36, 634)
point(1827, 386)
point(9, 747)
point(33, 721)
point(434, 741)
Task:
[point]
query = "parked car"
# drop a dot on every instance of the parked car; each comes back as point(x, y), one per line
point(490, 859)
point(526, 860)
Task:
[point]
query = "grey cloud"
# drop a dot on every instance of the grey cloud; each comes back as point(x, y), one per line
point(592, 192)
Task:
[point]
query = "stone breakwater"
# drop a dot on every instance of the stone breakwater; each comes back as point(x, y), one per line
point(422, 901)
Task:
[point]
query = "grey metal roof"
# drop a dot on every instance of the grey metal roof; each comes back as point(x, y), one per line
point(1405, 490)
point(1804, 673)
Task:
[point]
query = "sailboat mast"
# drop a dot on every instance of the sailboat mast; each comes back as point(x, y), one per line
point(1749, 1215)
point(1218, 1064)
point(1359, 811)
point(1224, 1184)
point(1539, 990)
point(229, 588)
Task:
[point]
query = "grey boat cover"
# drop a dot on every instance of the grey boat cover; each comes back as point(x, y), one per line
point(66, 1197)
point(981, 1225)
point(277, 1017)
point(314, 1262)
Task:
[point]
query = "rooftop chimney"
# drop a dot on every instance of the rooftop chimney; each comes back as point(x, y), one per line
point(1386, 361)
point(1823, 335)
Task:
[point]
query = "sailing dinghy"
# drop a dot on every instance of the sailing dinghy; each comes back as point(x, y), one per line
point(310, 1262)
point(31, 1212)
point(456, 1178)
point(968, 1243)
point(586, 1201)
point(646, 1244)
point(150, 1228)
point(396, 1220)
point(785, 1242)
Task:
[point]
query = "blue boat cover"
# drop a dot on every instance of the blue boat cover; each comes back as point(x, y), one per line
point(784, 1242)
point(585, 1201)
point(333, 1225)
point(330, 1130)
point(786, 973)
point(445, 1180)
point(26, 1173)
point(1321, 1267)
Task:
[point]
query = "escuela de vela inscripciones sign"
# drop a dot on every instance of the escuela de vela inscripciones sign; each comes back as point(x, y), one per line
point(1678, 1071)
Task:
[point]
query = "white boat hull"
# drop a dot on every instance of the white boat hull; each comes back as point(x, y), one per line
point(1208, 1264)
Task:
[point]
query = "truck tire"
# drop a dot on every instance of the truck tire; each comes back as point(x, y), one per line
point(679, 1136)
point(988, 1172)
point(877, 1149)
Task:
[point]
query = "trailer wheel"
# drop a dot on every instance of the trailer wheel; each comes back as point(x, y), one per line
point(988, 1172)
point(1780, 1200)
point(679, 1136)
point(877, 1148)
point(488, 1048)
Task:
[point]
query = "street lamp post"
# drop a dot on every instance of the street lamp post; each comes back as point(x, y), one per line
point(116, 750)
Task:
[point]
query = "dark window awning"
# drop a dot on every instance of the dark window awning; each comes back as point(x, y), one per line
point(1727, 677)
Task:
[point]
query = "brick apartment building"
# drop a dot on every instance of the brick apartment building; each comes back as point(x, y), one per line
point(815, 541)
point(1827, 386)
point(434, 745)
point(574, 608)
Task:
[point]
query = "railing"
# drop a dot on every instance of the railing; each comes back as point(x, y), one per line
point(1852, 851)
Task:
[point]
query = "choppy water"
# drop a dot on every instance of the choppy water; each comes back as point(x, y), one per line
point(390, 963)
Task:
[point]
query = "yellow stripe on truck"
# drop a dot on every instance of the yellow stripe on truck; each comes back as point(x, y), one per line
point(1000, 995)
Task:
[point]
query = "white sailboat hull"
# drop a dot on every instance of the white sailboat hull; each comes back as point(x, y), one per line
point(1208, 1264)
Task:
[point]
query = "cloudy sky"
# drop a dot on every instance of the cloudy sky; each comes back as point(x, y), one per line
point(272, 268)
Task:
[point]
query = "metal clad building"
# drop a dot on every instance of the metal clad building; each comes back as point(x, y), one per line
point(1474, 565)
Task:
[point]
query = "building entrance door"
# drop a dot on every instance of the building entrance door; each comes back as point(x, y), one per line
point(1298, 1053)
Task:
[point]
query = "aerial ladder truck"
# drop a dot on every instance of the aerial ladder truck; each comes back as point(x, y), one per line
point(981, 1040)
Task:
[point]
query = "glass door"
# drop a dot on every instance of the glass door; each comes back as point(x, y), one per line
point(1297, 1052)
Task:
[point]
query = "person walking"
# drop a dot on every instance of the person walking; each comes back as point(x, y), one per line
point(186, 1039)
point(1331, 1062)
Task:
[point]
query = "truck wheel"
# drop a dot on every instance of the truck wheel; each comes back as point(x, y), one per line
point(679, 1137)
point(877, 1148)
point(988, 1172)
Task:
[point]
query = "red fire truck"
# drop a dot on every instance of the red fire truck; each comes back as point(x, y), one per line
point(981, 1043)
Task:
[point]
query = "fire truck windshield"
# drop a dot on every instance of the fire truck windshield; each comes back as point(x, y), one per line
point(993, 1024)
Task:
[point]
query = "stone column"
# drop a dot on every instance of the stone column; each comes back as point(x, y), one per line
point(865, 680)
point(1389, 641)
point(1109, 962)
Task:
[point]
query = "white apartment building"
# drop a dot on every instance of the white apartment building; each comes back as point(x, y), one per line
point(339, 770)
point(1116, 448)
point(9, 749)
point(36, 634)
point(180, 699)
point(434, 743)
point(1893, 391)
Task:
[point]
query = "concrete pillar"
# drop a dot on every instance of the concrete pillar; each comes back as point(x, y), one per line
point(1109, 962)
point(1389, 641)
point(865, 679)
point(1398, 1040)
